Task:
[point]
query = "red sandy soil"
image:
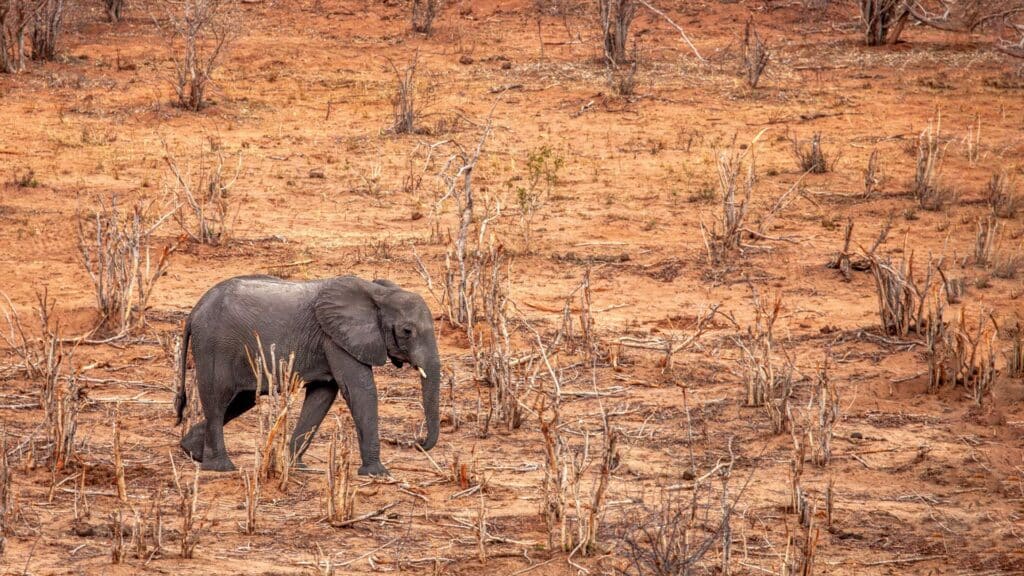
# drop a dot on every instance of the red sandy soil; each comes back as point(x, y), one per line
point(923, 483)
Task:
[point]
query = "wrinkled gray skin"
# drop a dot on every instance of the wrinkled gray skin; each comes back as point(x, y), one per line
point(338, 328)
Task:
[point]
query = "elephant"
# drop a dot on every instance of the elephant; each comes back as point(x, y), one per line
point(338, 328)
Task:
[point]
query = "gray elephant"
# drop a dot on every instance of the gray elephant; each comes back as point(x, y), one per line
point(338, 328)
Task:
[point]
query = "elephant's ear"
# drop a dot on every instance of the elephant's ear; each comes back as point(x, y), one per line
point(347, 312)
point(385, 283)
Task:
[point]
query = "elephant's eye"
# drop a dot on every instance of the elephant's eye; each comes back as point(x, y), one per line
point(406, 332)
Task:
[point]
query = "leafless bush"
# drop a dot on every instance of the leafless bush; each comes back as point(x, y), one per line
point(755, 54)
point(929, 189)
point(566, 509)
point(872, 176)
point(278, 377)
point(756, 352)
point(842, 260)
point(115, 249)
point(251, 487)
point(115, 9)
point(1007, 264)
point(616, 16)
point(986, 241)
point(341, 495)
point(936, 346)
point(122, 485)
point(15, 17)
point(724, 238)
point(883, 20)
point(117, 547)
point(61, 400)
point(809, 155)
point(48, 19)
point(205, 206)
point(1004, 198)
point(972, 355)
point(188, 509)
point(1014, 355)
point(493, 354)
point(147, 528)
point(197, 32)
point(901, 300)
point(423, 14)
point(8, 506)
point(404, 100)
point(622, 73)
point(825, 399)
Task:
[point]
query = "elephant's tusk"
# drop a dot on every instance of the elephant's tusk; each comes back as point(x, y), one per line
point(422, 372)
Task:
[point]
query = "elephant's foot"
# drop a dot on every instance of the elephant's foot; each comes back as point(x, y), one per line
point(375, 469)
point(222, 464)
point(193, 446)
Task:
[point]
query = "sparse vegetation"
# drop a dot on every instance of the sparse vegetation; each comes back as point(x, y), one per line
point(198, 34)
point(755, 55)
point(116, 249)
point(809, 155)
point(929, 189)
point(1003, 197)
point(423, 14)
point(404, 99)
point(205, 207)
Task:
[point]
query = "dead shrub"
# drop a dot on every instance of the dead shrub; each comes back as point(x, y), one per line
point(810, 156)
point(929, 190)
point(768, 382)
point(116, 251)
point(1007, 264)
point(736, 179)
point(883, 20)
point(403, 101)
point(1003, 196)
point(571, 512)
point(278, 377)
point(901, 300)
point(251, 486)
point(986, 241)
point(825, 399)
point(616, 16)
point(8, 506)
point(1015, 353)
point(115, 9)
point(341, 495)
point(872, 176)
point(48, 18)
point(197, 33)
point(622, 73)
point(206, 209)
point(755, 55)
point(15, 17)
point(423, 14)
point(188, 508)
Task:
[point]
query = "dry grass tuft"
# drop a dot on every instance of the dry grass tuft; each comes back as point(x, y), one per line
point(929, 190)
point(1003, 195)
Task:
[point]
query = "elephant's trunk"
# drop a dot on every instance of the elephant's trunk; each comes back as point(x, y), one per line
point(430, 380)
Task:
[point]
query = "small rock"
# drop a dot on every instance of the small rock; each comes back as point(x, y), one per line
point(317, 173)
point(688, 475)
point(856, 435)
point(506, 65)
point(466, 59)
point(417, 215)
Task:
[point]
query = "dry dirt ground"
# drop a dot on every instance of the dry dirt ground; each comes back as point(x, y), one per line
point(922, 483)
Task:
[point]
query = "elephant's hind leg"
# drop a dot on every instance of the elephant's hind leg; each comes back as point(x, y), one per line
point(195, 440)
point(215, 455)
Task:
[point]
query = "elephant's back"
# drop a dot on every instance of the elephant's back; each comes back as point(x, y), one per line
point(235, 309)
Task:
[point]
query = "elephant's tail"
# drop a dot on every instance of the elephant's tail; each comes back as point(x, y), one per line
point(181, 400)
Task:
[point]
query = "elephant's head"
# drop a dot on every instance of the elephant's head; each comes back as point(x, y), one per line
point(374, 321)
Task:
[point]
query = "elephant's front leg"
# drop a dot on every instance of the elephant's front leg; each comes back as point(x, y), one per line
point(360, 393)
point(319, 398)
